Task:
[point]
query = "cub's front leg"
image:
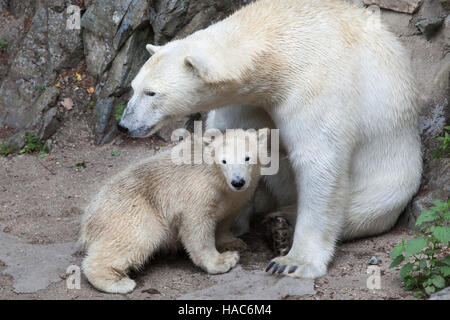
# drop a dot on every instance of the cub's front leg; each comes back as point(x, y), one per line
point(198, 238)
point(225, 240)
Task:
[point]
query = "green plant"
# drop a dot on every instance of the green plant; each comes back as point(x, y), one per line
point(91, 105)
point(115, 154)
point(427, 267)
point(3, 45)
point(442, 149)
point(41, 87)
point(81, 165)
point(5, 149)
point(43, 155)
point(33, 145)
point(119, 112)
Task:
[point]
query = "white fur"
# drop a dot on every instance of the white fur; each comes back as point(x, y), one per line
point(154, 205)
point(335, 82)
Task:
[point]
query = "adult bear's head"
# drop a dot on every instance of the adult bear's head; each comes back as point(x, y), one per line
point(183, 77)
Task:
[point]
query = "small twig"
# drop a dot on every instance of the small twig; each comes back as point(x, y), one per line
point(45, 167)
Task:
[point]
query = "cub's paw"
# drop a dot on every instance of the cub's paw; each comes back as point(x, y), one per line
point(279, 234)
point(223, 263)
point(235, 244)
point(122, 285)
point(296, 268)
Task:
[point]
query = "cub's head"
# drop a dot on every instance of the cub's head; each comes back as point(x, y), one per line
point(181, 77)
point(237, 158)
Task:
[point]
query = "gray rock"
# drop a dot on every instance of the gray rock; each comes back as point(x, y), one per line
point(3, 5)
point(429, 27)
point(103, 111)
point(240, 284)
point(373, 261)
point(444, 294)
point(22, 7)
point(178, 18)
point(108, 24)
point(405, 6)
point(47, 48)
point(57, 5)
point(50, 124)
point(42, 121)
point(34, 267)
point(445, 4)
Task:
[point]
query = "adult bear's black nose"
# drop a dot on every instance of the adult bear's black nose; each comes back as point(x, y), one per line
point(238, 183)
point(122, 128)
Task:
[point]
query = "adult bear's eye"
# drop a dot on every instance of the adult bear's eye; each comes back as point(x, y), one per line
point(224, 161)
point(247, 159)
point(150, 93)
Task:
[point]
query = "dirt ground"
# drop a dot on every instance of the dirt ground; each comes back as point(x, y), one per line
point(42, 200)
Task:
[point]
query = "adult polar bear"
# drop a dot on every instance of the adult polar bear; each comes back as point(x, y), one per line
point(335, 82)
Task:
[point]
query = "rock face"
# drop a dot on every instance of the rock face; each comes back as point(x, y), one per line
point(37, 51)
point(405, 6)
point(39, 47)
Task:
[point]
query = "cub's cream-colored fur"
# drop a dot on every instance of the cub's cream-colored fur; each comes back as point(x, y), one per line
point(157, 203)
point(334, 80)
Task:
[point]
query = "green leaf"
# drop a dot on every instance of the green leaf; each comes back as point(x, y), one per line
point(430, 289)
point(422, 263)
point(440, 263)
point(446, 260)
point(399, 259)
point(445, 271)
point(446, 215)
point(410, 283)
point(438, 281)
point(406, 269)
point(442, 234)
point(398, 249)
point(115, 154)
point(426, 216)
point(414, 246)
point(439, 205)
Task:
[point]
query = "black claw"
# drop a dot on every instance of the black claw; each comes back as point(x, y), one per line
point(282, 268)
point(269, 266)
point(275, 268)
point(292, 269)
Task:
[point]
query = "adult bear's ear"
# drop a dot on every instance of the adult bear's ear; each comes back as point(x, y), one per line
point(152, 49)
point(203, 69)
point(218, 68)
point(197, 66)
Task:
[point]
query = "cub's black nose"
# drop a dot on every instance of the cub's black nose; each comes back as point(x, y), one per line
point(238, 183)
point(122, 128)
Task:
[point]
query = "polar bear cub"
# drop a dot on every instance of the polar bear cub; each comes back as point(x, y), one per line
point(158, 203)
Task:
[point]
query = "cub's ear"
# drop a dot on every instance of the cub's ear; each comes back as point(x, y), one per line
point(263, 136)
point(152, 49)
point(208, 151)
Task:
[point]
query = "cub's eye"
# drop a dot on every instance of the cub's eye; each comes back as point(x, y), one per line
point(150, 93)
point(224, 161)
point(247, 159)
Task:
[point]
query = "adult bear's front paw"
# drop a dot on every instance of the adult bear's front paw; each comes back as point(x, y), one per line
point(296, 268)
